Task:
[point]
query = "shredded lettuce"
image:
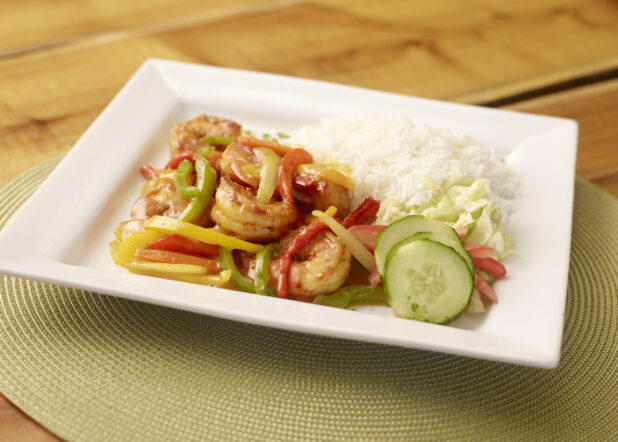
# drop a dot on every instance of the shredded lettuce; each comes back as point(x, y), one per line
point(466, 208)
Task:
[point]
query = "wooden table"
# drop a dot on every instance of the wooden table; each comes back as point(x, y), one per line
point(62, 62)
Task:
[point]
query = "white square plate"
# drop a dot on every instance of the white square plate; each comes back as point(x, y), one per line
point(93, 188)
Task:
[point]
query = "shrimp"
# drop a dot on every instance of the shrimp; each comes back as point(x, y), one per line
point(160, 197)
point(330, 194)
point(163, 200)
point(234, 158)
point(237, 211)
point(319, 193)
point(323, 267)
point(187, 135)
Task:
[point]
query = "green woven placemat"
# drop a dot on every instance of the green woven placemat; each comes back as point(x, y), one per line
point(93, 367)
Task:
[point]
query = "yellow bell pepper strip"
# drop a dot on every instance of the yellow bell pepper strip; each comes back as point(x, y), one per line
point(331, 211)
point(216, 140)
point(128, 228)
point(124, 251)
point(212, 280)
point(171, 225)
point(113, 249)
point(148, 269)
point(241, 281)
point(165, 256)
point(269, 169)
point(262, 271)
point(205, 184)
point(182, 177)
point(165, 268)
point(353, 294)
point(337, 174)
point(364, 256)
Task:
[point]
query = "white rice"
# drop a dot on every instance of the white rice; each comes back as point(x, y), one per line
point(402, 163)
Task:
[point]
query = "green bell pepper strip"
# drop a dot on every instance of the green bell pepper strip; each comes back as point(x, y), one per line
point(217, 141)
point(353, 294)
point(262, 271)
point(205, 184)
point(182, 176)
point(205, 151)
point(241, 281)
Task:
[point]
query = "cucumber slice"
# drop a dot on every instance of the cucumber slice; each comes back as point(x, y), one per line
point(427, 281)
point(405, 228)
point(455, 245)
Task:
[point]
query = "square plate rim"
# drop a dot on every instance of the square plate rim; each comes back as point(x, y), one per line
point(60, 273)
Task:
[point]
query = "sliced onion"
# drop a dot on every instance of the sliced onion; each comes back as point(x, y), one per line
point(269, 173)
point(357, 248)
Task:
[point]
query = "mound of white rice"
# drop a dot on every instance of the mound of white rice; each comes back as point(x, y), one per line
point(402, 163)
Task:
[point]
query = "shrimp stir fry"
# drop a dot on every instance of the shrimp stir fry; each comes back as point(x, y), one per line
point(244, 207)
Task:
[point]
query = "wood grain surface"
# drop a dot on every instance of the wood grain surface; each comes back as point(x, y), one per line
point(61, 62)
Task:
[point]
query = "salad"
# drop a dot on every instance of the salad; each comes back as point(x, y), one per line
point(253, 214)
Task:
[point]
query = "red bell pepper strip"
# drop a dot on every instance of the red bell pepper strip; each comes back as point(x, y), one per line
point(289, 162)
point(484, 258)
point(177, 159)
point(367, 234)
point(484, 288)
point(366, 210)
point(478, 251)
point(252, 142)
point(181, 244)
point(491, 266)
point(300, 241)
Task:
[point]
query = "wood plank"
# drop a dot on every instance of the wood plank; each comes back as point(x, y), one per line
point(595, 107)
point(44, 109)
point(57, 23)
point(494, 49)
point(399, 48)
point(16, 426)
